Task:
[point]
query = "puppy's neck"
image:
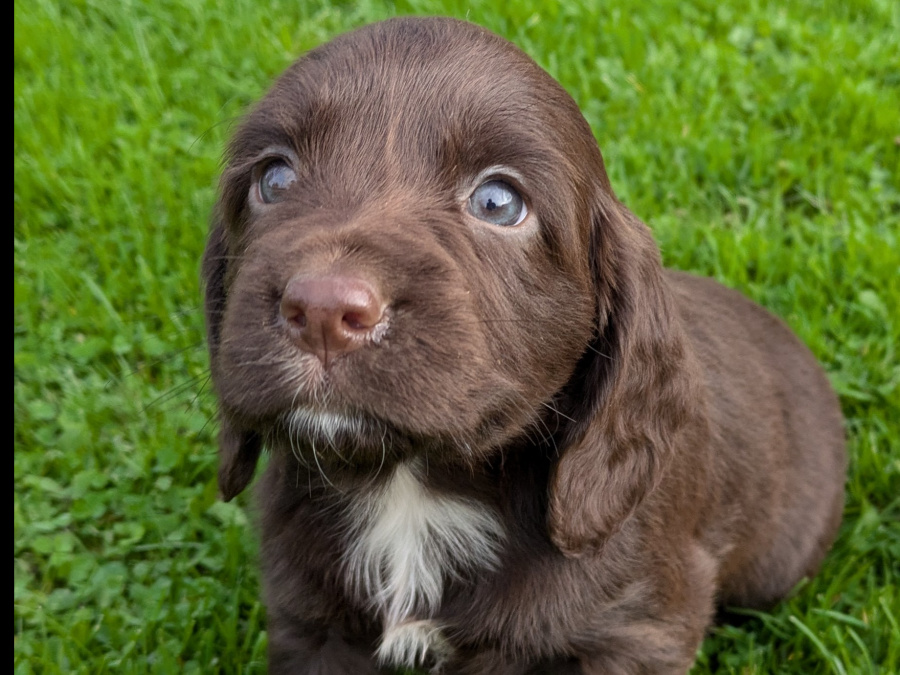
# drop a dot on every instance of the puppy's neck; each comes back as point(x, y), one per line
point(405, 541)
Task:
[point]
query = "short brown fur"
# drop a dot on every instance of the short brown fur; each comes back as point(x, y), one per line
point(653, 443)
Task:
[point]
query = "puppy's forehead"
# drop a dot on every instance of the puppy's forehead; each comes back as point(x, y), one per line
point(419, 96)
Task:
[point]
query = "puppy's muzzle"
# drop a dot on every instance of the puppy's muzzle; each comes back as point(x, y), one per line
point(332, 315)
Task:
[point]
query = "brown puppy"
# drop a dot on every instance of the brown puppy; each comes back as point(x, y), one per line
point(503, 439)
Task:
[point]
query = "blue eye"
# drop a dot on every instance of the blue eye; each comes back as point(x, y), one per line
point(274, 181)
point(497, 203)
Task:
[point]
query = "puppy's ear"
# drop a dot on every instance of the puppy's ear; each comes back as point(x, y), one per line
point(631, 394)
point(239, 449)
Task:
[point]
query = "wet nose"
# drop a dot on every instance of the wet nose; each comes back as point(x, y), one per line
point(331, 315)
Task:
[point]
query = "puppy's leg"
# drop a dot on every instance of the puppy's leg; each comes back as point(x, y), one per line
point(662, 636)
point(300, 648)
point(491, 662)
point(657, 647)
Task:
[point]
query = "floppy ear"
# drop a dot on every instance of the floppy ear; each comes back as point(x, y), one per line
point(239, 449)
point(631, 394)
point(238, 453)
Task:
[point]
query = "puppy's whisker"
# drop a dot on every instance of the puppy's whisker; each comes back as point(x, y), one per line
point(315, 454)
point(202, 390)
point(224, 121)
point(536, 422)
point(292, 433)
point(173, 392)
point(332, 444)
point(557, 411)
point(596, 351)
point(377, 473)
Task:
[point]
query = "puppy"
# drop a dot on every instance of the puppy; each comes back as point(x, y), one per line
point(503, 439)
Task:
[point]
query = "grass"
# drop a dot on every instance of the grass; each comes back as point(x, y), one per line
point(760, 140)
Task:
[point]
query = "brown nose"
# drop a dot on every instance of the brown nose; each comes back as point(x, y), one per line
point(331, 315)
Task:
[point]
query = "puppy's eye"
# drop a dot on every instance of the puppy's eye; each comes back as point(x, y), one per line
point(497, 203)
point(274, 180)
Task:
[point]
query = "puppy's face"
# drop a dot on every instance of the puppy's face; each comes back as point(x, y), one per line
point(400, 259)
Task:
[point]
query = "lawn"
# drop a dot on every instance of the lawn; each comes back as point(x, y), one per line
point(759, 140)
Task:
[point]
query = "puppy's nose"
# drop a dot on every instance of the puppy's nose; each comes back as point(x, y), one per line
point(331, 315)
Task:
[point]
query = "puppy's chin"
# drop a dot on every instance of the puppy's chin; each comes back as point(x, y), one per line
point(334, 431)
point(343, 444)
point(356, 443)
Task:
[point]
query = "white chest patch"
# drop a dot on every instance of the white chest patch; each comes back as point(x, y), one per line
point(405, 541)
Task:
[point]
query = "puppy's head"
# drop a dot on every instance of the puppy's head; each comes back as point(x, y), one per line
point(416, 249)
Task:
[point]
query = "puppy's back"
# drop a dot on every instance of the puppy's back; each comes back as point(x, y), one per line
point(776, 423)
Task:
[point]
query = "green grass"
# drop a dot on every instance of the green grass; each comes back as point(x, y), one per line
point(761, 142)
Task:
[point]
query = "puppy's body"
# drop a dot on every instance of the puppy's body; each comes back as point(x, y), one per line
point(498, 446)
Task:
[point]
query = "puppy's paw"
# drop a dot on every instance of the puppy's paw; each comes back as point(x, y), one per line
point(415, 644)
